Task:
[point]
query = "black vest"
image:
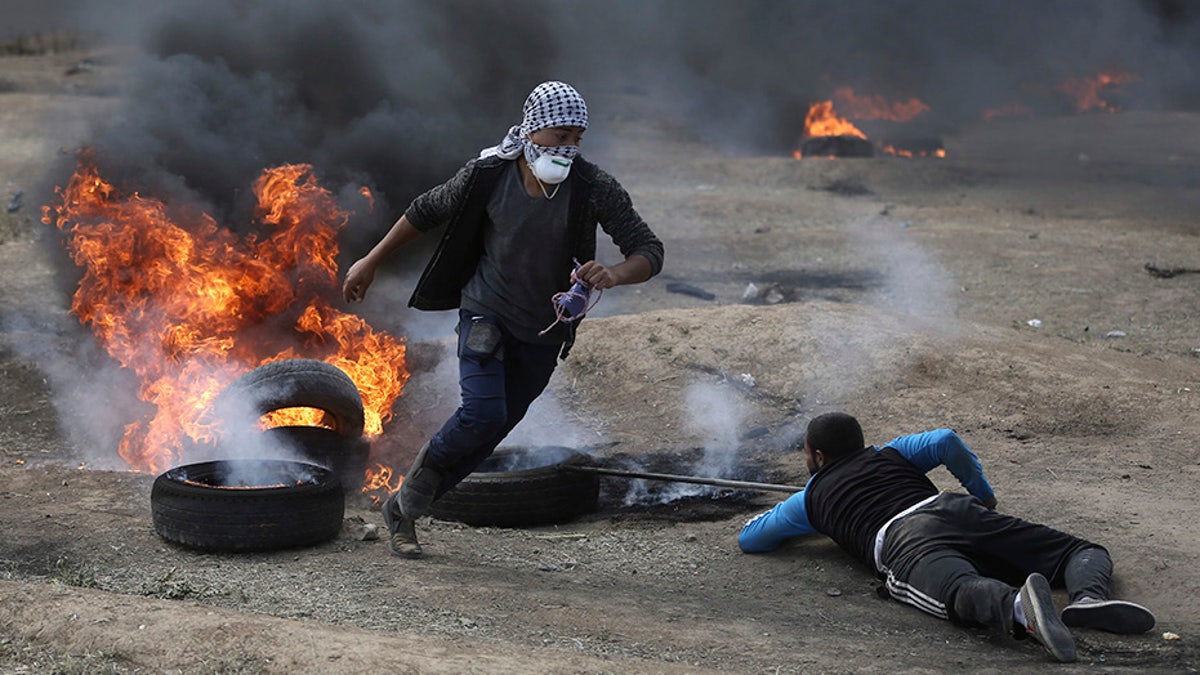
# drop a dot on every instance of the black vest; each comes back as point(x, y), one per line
point(849, 500)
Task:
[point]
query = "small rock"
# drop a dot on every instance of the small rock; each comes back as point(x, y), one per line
point(1115, 334)
point(548, 568)
point(833, 592)
point(1170, 636)
point(751, 293)
point(1034, 323)
point(747, 379)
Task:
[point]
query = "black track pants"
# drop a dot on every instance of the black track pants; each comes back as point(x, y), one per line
point(958, 560)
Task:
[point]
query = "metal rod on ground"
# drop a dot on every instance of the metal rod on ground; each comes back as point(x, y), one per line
point(741, 484)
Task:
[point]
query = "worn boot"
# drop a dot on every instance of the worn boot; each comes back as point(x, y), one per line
point(420, 486)
point(402, 539)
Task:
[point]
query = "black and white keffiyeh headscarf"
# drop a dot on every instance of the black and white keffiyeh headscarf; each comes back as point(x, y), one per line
point(550, 104)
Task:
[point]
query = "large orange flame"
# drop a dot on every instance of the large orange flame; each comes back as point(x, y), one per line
point(823, 120)
point(188, 305)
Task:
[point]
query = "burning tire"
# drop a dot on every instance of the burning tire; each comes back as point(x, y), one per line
point(294, 383)
point(247, 505)
point(836, 146)
point(500, 496)
point(345, 457)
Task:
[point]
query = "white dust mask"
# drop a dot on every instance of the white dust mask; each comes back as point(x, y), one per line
point(551, 169)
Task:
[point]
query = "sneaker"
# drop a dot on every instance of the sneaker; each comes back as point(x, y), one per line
point(1114, 616)
point(419, 487)
point(1041, 619)
point(402, 541)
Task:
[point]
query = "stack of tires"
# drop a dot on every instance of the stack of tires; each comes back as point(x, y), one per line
point(295, 502)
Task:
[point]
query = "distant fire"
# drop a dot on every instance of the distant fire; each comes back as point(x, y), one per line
point(1089, 93)
point(889, 149)
point(823, 120)
point(876, 107)
point(828, 134)
point(187, 305)
point(1093, 93)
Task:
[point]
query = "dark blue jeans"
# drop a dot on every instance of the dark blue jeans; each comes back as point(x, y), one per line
point(500, 377)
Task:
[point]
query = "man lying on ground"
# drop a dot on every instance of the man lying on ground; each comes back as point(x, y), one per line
point(951, 555)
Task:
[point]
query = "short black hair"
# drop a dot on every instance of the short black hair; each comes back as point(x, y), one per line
point(835, 434)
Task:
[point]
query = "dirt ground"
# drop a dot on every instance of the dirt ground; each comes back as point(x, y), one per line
point(1001, 291)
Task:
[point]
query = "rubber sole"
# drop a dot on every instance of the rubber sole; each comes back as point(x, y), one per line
point(1114, 616)
point(1042, 619)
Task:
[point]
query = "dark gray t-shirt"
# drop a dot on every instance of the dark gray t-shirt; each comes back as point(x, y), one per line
point(526, 259)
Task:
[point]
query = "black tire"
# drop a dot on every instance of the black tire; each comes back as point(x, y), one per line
point(294, 383)
point(345, 457)
point(299, 504)
point(546, 495)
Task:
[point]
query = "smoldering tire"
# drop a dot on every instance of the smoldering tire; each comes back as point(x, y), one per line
point(287, 505)
point(548, 493)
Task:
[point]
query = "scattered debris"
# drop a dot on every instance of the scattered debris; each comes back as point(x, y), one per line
point(1115, 334)
point(14, 204)
point(771, 294)
point(1034, 323)
point(1161, 273)
point(361, 530)
point(688, 289)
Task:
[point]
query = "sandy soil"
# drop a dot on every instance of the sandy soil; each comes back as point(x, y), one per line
point(907, 290)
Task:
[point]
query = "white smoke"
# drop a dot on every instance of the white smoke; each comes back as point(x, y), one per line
point(914, 283)
point(714, 415)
